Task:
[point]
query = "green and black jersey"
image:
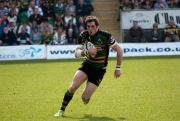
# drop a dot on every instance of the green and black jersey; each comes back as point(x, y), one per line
point(102, 41)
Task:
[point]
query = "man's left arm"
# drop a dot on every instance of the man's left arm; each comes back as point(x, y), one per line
point(119, 58)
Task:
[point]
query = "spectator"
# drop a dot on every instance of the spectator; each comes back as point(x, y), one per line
point(32, 7)
point(38, 2)
point(172, 32)
point(35, 36)
point(44, 24)
point(155, 34)
point(12, 27)
point(22, 15)
point(59, 9)
point(59, 37)
point(11, 17)
point(2, 25)
point(81, 22)
point(81, 29)
point(124, 6)
point(139, 1)
point(71, 26)
point(25, 24)
point(147, 5)
point(68, 17)
point(136, 33)
point(14, 8)
point(36, 16)
point(48, 11)
point(23, 37)
point(8, 38)
point(81, 9)
point(70, 38)
point(59, 23)
point(177, 3)
point(18, 5)
point(71, 7)
point(88, 2)
point(3, 10)
point(46, 36)
point(6, 4)
point(160, 5)
point(171, 4)
point(35, 25)
point(3, 18)
point(136, 5)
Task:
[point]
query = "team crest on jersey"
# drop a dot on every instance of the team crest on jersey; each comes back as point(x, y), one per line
point(99, 42)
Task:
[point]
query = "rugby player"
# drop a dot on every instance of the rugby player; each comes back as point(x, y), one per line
point(92, 69)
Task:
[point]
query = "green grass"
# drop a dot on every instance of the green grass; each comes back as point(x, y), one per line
point(148, 90)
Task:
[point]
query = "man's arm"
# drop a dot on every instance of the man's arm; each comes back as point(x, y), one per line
point(79, 52)
point(119, 58)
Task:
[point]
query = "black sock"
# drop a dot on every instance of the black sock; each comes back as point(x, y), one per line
point(67, 98)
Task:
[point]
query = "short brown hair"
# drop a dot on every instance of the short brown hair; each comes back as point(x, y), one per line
point(91, 19)
point(155, 24)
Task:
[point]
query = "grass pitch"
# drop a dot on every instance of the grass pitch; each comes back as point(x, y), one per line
point(148, 90)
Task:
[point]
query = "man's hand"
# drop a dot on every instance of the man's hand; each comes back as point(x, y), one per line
point(92, 51)
point(117, 73)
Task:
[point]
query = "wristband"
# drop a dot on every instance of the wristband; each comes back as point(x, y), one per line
point(118, 67)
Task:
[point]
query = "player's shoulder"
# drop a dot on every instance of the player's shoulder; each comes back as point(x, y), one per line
point(84, 33)
point(104, 33)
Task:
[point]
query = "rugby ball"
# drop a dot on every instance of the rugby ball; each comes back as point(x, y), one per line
point(87, 45)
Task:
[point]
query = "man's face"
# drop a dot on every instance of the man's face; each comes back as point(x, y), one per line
point(35, 11)
point(136, 2)
point(171, 22)
point(159, 1)
point(81, 2)
point(1, 5)
point(135, 24)
point(92, 28)
point(23, 30)
point(126, 1)
point(5, 30)
point(32, 4)
point(59, 1)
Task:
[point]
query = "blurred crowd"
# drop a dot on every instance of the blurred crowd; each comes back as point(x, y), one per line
point(170, 33)
point(49, 22)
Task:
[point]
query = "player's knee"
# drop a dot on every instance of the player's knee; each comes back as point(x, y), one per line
point(72, 88)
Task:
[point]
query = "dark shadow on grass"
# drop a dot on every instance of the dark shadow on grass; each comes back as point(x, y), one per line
point(88, 117)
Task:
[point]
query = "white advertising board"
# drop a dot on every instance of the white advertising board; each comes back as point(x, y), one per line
point(150, 49)
point(146, 18)
point(22, 52)
point(61, 51)
point(129, 49)
point(67, 51)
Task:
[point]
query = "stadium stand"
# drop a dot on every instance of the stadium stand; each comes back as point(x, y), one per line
point(107, 11)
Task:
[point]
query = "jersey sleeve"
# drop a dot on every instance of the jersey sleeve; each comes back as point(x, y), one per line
point(111, 41)
point(81, 40)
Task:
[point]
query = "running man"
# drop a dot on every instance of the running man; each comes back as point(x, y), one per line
point(92, 69)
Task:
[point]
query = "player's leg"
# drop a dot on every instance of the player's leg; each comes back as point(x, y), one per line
point(88, 91)
point(94, 79)
point(79, 78)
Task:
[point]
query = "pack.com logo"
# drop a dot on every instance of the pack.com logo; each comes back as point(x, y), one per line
point(30, 51)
